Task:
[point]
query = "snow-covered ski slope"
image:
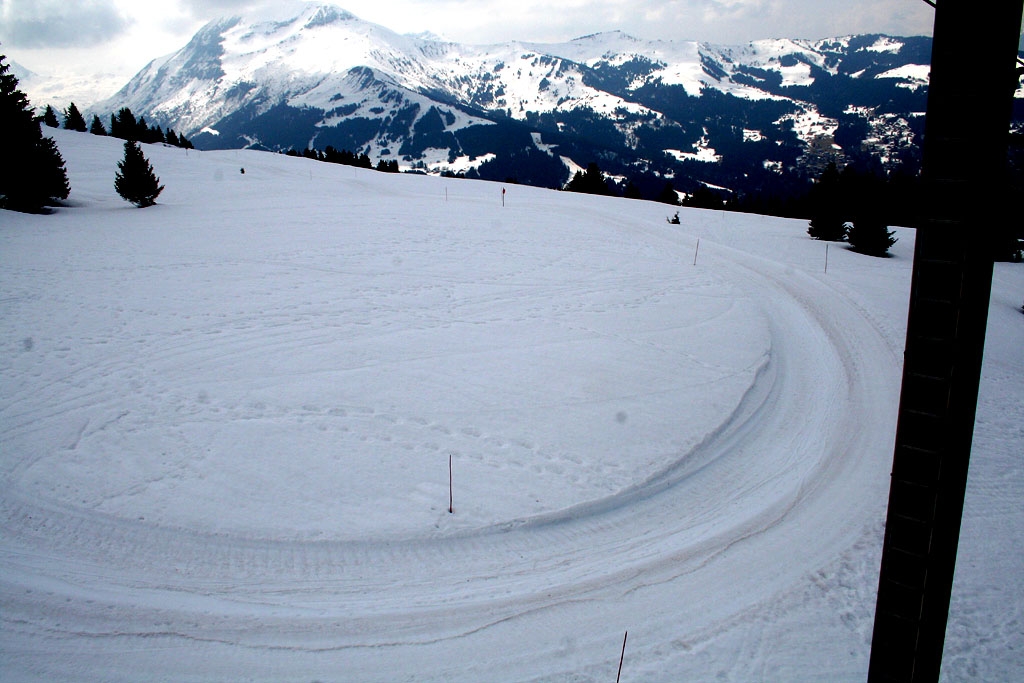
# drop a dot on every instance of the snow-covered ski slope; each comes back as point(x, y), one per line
point(226, 423)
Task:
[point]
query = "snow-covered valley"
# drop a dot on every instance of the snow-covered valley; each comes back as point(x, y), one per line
point(226, 423)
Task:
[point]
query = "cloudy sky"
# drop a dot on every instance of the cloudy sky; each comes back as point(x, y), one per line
point(89, 46)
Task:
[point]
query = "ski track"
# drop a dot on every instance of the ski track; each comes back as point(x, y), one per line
point(647, 544)
point(90, 594)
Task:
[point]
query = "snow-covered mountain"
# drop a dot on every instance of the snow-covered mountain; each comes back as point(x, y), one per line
point(646, 110)
point(21, 73)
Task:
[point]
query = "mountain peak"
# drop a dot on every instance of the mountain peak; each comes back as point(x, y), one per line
point(615, 36)
point(294, 12)
point(324, 15)
point(428, 36)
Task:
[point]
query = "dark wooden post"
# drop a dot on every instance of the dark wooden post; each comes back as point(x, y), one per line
point(966, 136)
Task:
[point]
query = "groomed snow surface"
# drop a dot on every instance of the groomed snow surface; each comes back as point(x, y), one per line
point(226, 424)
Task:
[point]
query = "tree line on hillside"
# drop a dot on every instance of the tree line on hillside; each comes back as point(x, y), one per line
point(33, 175)
point(123, 125)
point(345, 158)
point(701, 196)
point(593, 181)
point(856, 204)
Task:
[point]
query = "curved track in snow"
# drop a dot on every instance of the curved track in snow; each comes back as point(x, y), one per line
point(682, 557)
point(786, 471)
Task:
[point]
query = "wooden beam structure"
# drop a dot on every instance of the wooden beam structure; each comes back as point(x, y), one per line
point(973, 75)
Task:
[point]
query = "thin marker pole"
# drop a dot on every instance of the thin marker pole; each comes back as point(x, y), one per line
point(450, 498)
point(826, 258)
point(622, 657)
point(695, 252)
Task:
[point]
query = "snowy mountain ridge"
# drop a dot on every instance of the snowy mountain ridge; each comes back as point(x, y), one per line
point(324, 77)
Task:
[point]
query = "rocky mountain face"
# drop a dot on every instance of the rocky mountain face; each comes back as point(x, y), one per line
point(744, 118)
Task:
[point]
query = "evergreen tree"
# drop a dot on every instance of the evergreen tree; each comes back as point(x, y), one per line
point(135, 181)
point(632, 191)
point(827, 227)
point(73, 119)
point(50, 117)
point(97, 126)
point(591, 181)
point(576, 183)
point(668, 195)
point(48, 168)
point(32, 173)
point(173, 138)
point(704, 198)
point(123, 125)
point(870, 235)
point(826, 206)
point(147, 133)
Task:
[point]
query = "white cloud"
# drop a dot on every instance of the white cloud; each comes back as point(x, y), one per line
point(722, 21)
point(58, 23)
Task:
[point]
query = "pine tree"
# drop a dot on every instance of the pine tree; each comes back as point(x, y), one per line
point(172, 138)
point(135, 181)
point(123, 125)
point(48, 168)
point(576, 183)
point(591, 181)
point(668, 195)
point(73, 119)
point(827, 205)
point(704, 198)
point(32, 173)
point(870, 235)
point(50, 117)
point(97, 126)
point(828, 228)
